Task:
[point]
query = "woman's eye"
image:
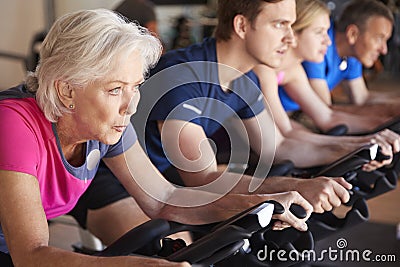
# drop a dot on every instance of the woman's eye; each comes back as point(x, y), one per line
point(115, 91)
point(137, 87)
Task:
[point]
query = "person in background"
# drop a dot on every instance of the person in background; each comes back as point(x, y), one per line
point(182, 33)
point(142, 11)
point(73, 112)
point(359, 36)
point(312, 40)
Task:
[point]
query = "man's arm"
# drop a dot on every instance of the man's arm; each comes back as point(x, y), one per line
point(299, 89)
point(357, 90)
point(187, 144)
point(160, 199)
point(303, 148)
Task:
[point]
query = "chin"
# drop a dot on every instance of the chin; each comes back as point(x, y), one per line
point(274, 64)
point(368, 63)
point(111, 140)
point(318, 59)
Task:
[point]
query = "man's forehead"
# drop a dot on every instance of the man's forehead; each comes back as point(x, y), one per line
point(378, 23)
point(284, 10)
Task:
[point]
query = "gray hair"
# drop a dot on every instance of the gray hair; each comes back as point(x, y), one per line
point(358, 12)
point(79, 49)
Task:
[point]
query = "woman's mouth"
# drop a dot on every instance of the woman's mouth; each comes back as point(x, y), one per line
point(119, 129)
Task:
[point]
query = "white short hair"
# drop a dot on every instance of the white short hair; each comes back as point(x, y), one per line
point(79, 49)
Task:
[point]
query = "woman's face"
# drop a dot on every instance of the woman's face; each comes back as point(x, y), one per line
point(103, 108)
point(313, 41)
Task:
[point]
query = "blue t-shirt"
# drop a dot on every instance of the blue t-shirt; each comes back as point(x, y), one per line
point(327, 69)
point(185, 86)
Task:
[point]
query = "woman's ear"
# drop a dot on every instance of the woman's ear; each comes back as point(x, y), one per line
point(64, 92)
point(352, 33)
point(240, 23)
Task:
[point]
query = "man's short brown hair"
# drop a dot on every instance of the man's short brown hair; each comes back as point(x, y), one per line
point(357, 12)
point(228, 9)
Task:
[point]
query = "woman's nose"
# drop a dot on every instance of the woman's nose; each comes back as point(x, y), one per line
point(327, 40)
point(131, 105)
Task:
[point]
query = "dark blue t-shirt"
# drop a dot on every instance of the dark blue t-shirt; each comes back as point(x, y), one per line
point(185, 86)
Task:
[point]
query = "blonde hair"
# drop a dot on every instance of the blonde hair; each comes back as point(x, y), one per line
point(306, 12)
point(79, 49)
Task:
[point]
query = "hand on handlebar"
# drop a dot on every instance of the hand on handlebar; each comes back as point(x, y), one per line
point(389, 144)
point(324, 193)
point(288, 211)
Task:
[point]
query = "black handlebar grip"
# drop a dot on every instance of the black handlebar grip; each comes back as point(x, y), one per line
point(380, 156)
point(296, 209)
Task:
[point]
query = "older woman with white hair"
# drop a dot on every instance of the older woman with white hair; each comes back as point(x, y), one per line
point(73, 112)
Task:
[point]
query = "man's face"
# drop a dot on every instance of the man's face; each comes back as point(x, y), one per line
point(372, 41)
point(271, 35)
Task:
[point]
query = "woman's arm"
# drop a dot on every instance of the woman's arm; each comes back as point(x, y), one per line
point(269, 86)
point(297, 145)
point(298, 87)
point(321, 88)
point(26, 230)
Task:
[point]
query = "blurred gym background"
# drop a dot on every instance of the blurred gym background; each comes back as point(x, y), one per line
point(23, 20)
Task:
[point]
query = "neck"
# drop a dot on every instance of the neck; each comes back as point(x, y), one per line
point(72, 148)
point(342, 47)
point(233, 54)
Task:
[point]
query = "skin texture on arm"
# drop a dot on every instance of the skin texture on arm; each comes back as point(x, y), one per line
point(357, 90)
point(26, 230)
point(292, 139)
point(194, 146)
point(322, 192)
point(386, 97)
point(378, 107)
point(292, 146)
point(297, 86)
point(335, 146)
point(321, 89)
point(160, 199)
point(375, 107)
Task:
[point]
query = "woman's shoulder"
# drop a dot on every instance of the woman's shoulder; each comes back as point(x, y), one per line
point(21, 107)
point(23, 113)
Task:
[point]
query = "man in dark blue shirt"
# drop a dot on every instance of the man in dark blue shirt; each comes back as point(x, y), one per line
point(196, 90)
